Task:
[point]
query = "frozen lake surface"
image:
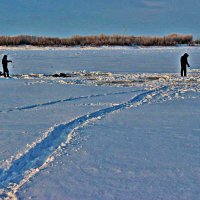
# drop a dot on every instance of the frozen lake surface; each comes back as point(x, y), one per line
point(108, 59)
point(109, 130)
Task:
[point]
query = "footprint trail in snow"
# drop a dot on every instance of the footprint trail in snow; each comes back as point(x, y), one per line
point(41, 152)
point(65, 100)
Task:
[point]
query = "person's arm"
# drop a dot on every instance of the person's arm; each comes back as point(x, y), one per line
point(9, 61)
point(188, 64)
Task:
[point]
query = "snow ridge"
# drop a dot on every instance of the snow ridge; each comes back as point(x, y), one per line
point(40, 155)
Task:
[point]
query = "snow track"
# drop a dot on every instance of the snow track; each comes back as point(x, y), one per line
point(65, 100)
point(42, 151)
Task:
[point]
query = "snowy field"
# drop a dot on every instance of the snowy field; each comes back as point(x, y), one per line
point(100, 132)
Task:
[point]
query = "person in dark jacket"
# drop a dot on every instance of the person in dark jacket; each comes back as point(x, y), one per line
point(184, 64)
point(5, 66)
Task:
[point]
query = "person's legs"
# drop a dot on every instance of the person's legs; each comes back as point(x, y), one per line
point(181, 71)
point(185, 72)
point(5, 72)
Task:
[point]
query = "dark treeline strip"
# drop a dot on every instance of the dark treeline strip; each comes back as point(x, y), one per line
point(197, 41)
point(100, 40)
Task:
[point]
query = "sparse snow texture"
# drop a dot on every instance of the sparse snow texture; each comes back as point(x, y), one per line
point(100, 135)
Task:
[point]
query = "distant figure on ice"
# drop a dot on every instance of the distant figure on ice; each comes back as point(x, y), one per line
point(5, 66)
point(184, 64)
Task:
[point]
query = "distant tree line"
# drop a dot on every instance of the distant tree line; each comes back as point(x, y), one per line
point(99, 40)
point(197, 41)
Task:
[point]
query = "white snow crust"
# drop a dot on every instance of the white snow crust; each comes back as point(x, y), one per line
point(100, 135)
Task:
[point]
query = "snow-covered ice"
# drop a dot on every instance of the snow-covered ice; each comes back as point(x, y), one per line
point(99, 134)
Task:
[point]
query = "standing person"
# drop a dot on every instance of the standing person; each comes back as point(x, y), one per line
point(5, 66)
point(184, 64)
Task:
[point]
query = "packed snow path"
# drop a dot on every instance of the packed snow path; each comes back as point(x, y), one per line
point(40, 155)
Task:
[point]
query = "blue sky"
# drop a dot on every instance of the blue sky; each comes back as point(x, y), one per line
point(65, 18)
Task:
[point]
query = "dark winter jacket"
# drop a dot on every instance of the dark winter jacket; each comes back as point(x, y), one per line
point(5, 62)
point(184, 61)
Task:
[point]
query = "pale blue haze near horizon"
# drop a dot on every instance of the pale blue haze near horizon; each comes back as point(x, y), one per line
point(64, 18)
